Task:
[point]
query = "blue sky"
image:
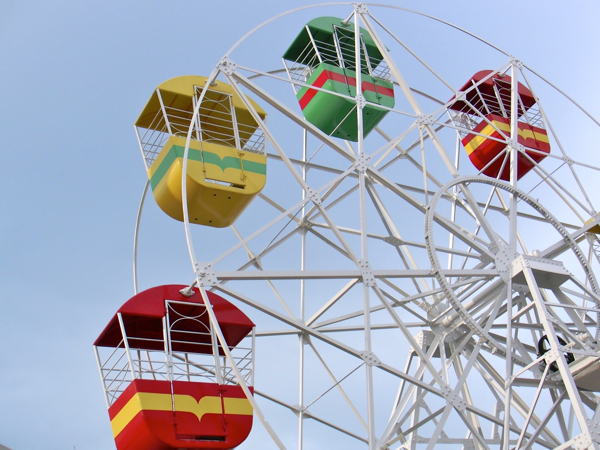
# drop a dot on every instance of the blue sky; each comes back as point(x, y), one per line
point(74, 77)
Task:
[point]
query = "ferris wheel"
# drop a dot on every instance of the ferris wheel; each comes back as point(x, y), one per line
point(405, 266)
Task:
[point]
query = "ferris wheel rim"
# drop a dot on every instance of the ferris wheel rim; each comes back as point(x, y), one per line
point(213, 76)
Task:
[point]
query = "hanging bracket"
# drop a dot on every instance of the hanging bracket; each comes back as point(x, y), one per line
point(227, 66)
point(516, 62)
point(362, 163)
point(360, 8)
point(425, 119)
point(206, 274)
point(367, 273)
point(313, 195)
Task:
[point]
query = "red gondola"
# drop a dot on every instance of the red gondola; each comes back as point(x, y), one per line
point(483, 112)
point(166, 381)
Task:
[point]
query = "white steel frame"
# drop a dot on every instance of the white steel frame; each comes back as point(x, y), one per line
point(468, 299)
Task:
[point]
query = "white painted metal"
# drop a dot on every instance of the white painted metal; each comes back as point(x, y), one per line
point(343, 255)
point(136, 234)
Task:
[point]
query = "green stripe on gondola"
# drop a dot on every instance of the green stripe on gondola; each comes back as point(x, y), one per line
point(229, 162)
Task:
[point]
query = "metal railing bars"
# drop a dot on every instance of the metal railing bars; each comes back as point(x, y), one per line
point(128, 361)
point(121, 379)
point(216, 123)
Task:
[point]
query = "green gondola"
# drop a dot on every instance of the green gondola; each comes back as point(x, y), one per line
point(323, 55)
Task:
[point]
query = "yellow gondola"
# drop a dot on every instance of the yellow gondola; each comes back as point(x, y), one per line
point(227, 163)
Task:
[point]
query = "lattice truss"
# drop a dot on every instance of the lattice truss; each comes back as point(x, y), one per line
point(403, 299)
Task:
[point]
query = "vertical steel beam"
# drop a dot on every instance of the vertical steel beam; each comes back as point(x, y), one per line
point(514, 137)
point(301, 336)
point(360, 102)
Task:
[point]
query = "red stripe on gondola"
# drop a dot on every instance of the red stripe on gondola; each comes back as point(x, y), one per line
point(319, 82)
point(483, 150)
point(366, 86)
point(334, 76)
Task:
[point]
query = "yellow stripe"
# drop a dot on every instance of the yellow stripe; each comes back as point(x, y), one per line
point(489, 129)
point(137, 403)
point(529, 134)
point(206, 405)
point(143, 401)
point(240, 406)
